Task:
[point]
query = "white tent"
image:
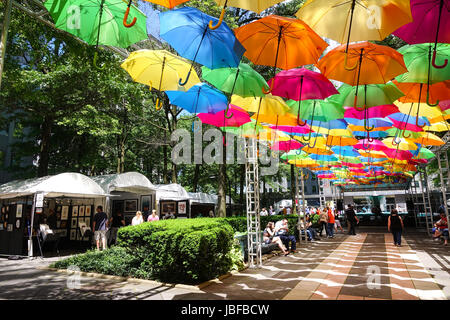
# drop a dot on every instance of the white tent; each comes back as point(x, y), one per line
point(172, 191)
point(133, 182)
point(205, 198)
point(69, 184)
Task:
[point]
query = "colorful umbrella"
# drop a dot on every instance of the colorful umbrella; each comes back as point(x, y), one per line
point(286, 145)
point(415, 91)
point(220, 119)
point(372, 112)
point(268, 104)
point(186, 30)
point(168, 3)
point(280, 42)
point(319, 110)
point(201, 98)
point(98, 22)
point(431, 23)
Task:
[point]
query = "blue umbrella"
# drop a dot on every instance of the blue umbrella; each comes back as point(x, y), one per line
point(346, 151)
point(187, 31)
point(323, 157)
point(201, 98)
point(373, 134)
point(372, 122)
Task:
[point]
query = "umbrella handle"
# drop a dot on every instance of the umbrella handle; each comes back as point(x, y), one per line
point(347, 67)
point(226, 112)
point(270, 89)
point(404, 136)
point(428, 99)
point(219, 23)
point(364, 145)
point(309, 143)
point(185, 81)
point(94, 62)
point(158, 105)
point(433, 62)
point(125, 18)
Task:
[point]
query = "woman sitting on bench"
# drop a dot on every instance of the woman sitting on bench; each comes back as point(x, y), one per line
point(268, 237)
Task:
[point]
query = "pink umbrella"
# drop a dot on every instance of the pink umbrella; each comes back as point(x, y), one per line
point(358, 170)
point(431, 23)
point(353, 165)
point(403, 125)
point(375, 145)
point(372, 112)
point(240, 117)
point(301, 84)
point(398, 154)
point(444, 105)
point(286, 145)
point(301, 130)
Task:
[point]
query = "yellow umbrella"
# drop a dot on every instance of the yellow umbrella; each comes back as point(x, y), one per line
point(319, 151)
point(268, 134)
point(428, 139)
point(400, 143)
point(372, 154)
point(443, 117)
point(332, 132)
point(341, 140)
point(416, 109)
point(437, 127)
point(304, 163)
point(284, 120)
point(159, 69)
point(320, 141)
point(257, 6)
point(267, 105)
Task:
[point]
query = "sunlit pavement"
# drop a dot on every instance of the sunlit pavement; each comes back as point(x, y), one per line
point(363, 267)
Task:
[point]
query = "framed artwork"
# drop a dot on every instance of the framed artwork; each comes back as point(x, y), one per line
point(10, 227)
point(75, 211)
point(182, 207)
point(168, 207)
point(3, 209)
point(38, 210)
point(81, 211)
point(65, 213)
point(146, 202)
point(80, 221)
point(131, 205)
point(1, 226)
point(18, 224)
point(87, 211)
point(87, 221)
point(63, 224)
point(74, 223)
point(19, 211)
point(58, 224)
point(73, 234)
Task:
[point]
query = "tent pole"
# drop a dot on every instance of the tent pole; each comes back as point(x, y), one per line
point(30, 239)
point(6, 21)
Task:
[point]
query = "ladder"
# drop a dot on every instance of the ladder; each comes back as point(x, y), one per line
point(300, 194)
point(322, 198)
point(444, 175)
point(252, 198)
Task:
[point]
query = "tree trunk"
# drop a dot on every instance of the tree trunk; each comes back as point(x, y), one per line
point(174, 173)
point(241, 189)
point(196, 177)
point(165, 177)
point(222, 204)
point(293, 186)
point(44, 152)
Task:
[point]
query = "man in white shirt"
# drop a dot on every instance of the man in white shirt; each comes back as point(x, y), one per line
point(264, 212)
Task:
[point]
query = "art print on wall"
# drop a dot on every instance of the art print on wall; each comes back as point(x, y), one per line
point(87, 221)
point(181, 207)
point(73, 234)
point(75, 211)
point(146, 202)
point(81, 211)
point(19, 209)
point(74, 223)
point(65, 213)
point(10, 227)
point(18, 224)
point(63, 224)
point(131, 205)
point(87, 211)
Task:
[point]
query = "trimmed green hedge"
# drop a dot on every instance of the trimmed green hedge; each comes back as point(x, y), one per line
point(239, 224)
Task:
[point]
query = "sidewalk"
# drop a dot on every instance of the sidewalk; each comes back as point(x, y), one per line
point(363, 267)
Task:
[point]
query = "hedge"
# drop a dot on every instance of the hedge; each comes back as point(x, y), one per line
point(239, 224)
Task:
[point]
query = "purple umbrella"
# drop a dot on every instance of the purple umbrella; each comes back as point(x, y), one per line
point(431, 23)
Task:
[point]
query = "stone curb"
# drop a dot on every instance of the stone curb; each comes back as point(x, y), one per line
point(145, 281)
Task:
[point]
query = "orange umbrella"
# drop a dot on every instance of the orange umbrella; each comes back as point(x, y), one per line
point(376, 64)
point(361, 128)
point(280, 42)
point(168, 3)
point(438, 91)
point(341, 141)
point(275, 119)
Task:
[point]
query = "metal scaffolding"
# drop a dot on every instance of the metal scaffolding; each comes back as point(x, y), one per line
point(252, 197)
point(322, 197)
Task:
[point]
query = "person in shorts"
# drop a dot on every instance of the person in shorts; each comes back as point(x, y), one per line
point(100, 227)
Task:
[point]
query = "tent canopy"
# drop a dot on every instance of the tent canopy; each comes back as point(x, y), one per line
point(68, 184)
point(172, 191)
point(200, 197)
point(133, 182)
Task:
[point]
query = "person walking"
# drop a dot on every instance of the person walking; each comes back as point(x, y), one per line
point(330, 224)
point(352, 220)
point(137, 219)
point(337, 222)
point(395, 226)
point(323, 220)
point(100, 226)
point(117, 221)
point(153, 216)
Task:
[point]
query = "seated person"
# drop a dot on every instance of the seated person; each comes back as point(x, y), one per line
point(282, 231)
point(440, 226)
point(312, 234)
point(445, 235)
point(268, 237)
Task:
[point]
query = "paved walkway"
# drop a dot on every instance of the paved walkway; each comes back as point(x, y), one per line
point(363, 267)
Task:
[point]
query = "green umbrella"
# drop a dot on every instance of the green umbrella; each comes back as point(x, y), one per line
point(370, 95)
point(250, 128)
point(243, 81)
point(395, 132)
point(295, 155)
point(318, 110)
point(424, 153)
point(98, 22)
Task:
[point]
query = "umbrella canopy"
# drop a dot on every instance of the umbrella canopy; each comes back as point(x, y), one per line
point(100, 21)
point(415, 91)
point(286, 145)
point(168, 3)
point(218, 119)
point(376, 64)
point(243, 80)
point(280, 42)
point(159, 69)
point(292, 130)
point(340, 141)
point(356, 20)
point(428, 139)
point(318, 110)
point(370, 95)
point(400, 144)
point(201, 98)
point(187, 31)
point(277, 120)
point(373, 112)
point(268, 104)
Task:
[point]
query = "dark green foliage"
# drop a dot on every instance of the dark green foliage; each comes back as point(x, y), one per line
point(239, 224)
